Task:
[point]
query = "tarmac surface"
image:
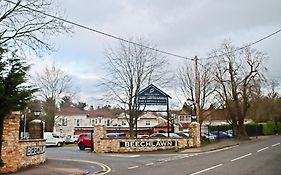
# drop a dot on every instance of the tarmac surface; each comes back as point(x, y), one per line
point(62, 167)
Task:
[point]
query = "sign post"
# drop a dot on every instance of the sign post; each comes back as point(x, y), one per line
point(153, 96)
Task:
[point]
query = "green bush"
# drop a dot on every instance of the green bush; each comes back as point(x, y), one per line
point(268, 128)
point(278, 127)
point(220, 128)
point(253, 129)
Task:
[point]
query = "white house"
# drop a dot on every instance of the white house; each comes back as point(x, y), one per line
point(72, 120)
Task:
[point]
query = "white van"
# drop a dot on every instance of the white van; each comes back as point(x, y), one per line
point(53, 139)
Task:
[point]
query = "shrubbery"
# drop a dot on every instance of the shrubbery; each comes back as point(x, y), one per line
point(253, 129)
point(268, 128)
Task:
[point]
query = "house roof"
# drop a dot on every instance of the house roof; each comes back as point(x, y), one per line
point(184, 125)
point(100, 113)
point(182, 112)
point(71, 111)
point(162, 125)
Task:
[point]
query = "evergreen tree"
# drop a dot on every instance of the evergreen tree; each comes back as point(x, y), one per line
point(14, 93)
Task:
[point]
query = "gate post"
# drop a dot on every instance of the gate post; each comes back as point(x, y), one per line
point(194, 130)
point(10, 143)
point(99, 132)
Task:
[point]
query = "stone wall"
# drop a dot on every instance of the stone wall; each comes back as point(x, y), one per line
point(14, 151)
point(105, 145)
point(194, 131)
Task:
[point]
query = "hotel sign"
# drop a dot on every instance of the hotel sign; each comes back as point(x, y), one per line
point(129, 144)
point(35, 150)
point(152, 95)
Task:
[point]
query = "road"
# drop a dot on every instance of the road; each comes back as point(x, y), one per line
point(262, 157)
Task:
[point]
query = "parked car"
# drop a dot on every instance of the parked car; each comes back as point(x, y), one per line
point(229, 133)
point(208, 136)
point(84, 141)
point(115, 135)
point(71, 138)
point(172, 135)
point(183, 134)
point(53, 139)
point(219, 135)
point(142, 136)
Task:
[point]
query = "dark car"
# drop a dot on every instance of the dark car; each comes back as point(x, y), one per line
point(219, 135)
point(84, 141)
point(115, 135)
point(173, 135)
point(183, 134)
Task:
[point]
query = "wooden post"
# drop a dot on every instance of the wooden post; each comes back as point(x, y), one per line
point(197, 93)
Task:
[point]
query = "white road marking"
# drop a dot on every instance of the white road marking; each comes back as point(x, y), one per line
point(148, 164)
point(132, 167)
point(241, 157)
point(262, 149)
point(207, 169)
point(123, 155)
point(133, 156)
point(275, 144)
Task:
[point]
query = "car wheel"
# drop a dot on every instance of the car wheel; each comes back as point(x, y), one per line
point(59, 144)
point(81, 146)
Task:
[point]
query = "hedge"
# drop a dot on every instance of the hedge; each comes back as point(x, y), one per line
point(278, 127)
point(268, 128)
point(220, 128)
point(253, 129)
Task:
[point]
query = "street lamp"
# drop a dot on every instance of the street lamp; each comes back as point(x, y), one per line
point(37, 113)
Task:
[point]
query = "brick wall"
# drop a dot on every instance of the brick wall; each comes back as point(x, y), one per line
point(14, 150)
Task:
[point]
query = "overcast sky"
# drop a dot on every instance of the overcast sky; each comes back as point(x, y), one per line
point(184, 27)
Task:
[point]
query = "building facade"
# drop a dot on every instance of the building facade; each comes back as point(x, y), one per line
point(72, 120)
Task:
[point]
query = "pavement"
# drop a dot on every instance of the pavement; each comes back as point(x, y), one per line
point(61, 167)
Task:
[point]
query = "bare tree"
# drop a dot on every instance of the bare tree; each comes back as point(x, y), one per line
point(23, 24)
point(237, 73)
point(206, 86)
point(273, 84)
point(130, 68)
point(53, 84)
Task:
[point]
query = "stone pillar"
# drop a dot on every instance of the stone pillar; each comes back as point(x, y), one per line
point(99, 132)
point(10, 144)
point(194, 130)
point(35, 129)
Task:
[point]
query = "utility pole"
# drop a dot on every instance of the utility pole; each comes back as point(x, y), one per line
point(197, 93)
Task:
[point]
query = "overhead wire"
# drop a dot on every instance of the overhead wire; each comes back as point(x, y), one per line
point(101, 32)
point(248, 45)
point(138, 44)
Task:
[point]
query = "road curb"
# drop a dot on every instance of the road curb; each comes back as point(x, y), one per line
point(105, 169)
point(212, 149)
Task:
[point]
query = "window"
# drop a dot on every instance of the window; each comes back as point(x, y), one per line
point(182, 118)
point(100, 119)
point(108, 123)
point(147, 122)
point(64, 121)
point(60, 122)
point(93, 122)
point(123, 122)
point(78, 122)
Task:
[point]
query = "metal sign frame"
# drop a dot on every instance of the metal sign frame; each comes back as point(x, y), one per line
point(153, 96)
